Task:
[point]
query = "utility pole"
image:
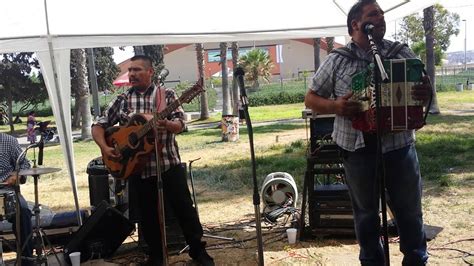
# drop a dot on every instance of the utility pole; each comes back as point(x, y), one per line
point(465, 44)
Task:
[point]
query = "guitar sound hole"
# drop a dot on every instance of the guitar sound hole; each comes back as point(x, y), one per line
point(133, 140)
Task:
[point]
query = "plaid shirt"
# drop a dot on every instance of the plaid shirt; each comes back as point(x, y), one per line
point(9, 152)
point(333, 79)
point(133, 102)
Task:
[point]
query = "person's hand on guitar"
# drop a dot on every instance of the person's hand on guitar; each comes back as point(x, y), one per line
point(110, 152)
point(422, 92)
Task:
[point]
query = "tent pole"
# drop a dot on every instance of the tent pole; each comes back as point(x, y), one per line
point(66, 137)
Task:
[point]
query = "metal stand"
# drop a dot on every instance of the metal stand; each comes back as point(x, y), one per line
point(191, 177)
point(39, 236)
point(159, 184)
point(239, 74)
point(380, 76)
point(37, 232)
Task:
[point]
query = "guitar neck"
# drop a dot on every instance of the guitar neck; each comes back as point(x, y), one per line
point(158, 116)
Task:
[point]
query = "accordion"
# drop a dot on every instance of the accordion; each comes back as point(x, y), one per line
point(398, 110)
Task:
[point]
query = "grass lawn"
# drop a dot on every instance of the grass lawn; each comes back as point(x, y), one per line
point(224, 185)
point(445, 145)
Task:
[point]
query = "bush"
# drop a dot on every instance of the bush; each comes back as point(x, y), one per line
point(277, 93)
point(276, 98)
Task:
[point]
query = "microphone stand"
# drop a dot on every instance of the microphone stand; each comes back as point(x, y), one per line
point(159, 184)
point(380, 76)
point(239, 74)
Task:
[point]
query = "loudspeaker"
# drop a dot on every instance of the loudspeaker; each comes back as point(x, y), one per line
point(98, 182)
point(101, 234)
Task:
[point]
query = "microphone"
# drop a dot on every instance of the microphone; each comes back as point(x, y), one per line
point(163, 74)
point(368, 27)
point(40, 152)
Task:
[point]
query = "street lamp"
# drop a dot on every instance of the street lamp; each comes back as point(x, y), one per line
point(465, 42)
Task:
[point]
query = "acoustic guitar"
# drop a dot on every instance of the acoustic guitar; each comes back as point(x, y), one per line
point(136, 139)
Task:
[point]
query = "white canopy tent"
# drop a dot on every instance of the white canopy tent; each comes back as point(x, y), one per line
point(52, 27)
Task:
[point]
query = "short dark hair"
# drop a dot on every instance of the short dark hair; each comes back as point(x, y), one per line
point(142, 57)
point(356, 12)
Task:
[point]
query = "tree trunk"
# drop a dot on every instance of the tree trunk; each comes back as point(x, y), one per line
point(82, 92)
point(330, 43)
point(428, 25)
point(226, 107)
point(76, 117)
point(201, 63)
point(317, 53)
point(235, 88)
point(10, 110)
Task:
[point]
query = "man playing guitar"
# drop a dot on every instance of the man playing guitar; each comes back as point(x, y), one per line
point(144, 98)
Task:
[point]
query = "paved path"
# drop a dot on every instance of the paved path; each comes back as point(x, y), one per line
point(76, 134)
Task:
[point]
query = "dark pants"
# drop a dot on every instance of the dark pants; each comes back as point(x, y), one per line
point(25, 230)
point(403, 184)
point(176, 193)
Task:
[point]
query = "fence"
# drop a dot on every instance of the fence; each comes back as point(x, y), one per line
point(449, 76)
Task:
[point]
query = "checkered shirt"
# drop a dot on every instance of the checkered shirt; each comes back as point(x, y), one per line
point(333, 79)
point(9, 152)
point(133, 102)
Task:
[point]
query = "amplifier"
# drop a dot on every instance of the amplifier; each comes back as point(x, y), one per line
point(330, 207)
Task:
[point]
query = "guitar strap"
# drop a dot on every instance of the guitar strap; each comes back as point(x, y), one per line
point(159, 101)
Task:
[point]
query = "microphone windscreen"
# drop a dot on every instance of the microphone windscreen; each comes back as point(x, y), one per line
point(368, 27)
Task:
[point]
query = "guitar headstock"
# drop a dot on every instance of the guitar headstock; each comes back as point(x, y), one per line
point(192, 92)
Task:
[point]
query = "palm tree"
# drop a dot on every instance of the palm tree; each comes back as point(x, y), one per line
point(226, 107)
point(428, 22)
point(317, 55)
point(201, 64)
point(235, 89)
point(80, 87)
point(256, 63)
point(330, 43)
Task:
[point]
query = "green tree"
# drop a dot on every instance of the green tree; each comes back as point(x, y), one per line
point(106, 69)
point(256, 63)
point(445, 25)
point(18, 84)
point(156, 53)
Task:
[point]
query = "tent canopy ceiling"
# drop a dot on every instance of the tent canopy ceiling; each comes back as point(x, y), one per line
point(102, 23)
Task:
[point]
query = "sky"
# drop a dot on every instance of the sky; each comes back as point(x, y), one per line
point(465, 9)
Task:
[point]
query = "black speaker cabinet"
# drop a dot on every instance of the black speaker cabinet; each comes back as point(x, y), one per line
point(98, 182)
point(330, 207)
point(101, 234)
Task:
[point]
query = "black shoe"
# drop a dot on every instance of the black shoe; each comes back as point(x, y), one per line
point(204, 259)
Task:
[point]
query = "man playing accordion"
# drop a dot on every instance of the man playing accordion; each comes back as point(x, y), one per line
point(331, 93)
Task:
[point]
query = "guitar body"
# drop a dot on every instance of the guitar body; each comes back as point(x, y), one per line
point(132, 148)
point(135, 141)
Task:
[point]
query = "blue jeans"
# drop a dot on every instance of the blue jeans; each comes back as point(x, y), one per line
point(403, 185)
